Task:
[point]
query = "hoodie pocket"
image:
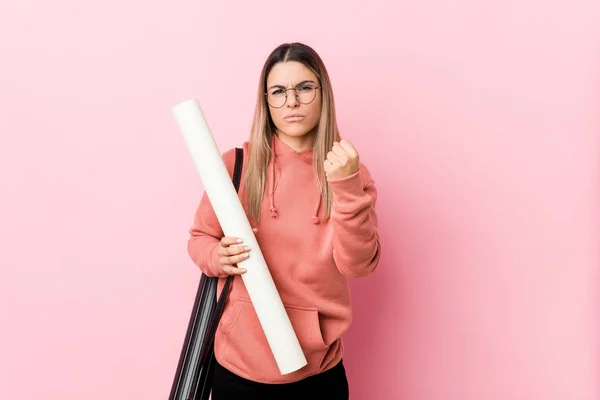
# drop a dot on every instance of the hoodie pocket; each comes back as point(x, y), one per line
point(247, 350)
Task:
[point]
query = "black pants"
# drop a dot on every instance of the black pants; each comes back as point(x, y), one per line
point(331, 385)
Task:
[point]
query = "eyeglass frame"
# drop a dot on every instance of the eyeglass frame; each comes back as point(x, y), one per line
point(295, 89)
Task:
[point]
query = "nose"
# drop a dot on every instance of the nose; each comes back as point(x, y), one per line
point(292, 99)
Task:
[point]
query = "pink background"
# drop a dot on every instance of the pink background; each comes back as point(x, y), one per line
point(479, 121)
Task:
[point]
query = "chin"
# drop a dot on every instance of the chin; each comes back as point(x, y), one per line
point(296, 132)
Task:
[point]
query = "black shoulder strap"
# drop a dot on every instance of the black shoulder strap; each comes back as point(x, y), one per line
point(237, 177)
point(239, 164)
point(212, 328)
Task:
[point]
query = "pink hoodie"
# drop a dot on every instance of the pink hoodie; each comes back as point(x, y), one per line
point(309, 260)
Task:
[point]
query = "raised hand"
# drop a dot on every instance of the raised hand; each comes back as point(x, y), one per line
point(342, 160)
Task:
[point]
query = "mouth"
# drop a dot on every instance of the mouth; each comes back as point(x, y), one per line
point(294, 117)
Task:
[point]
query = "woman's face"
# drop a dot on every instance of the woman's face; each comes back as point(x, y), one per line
point(300, 113)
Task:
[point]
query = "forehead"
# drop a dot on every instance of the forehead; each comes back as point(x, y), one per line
point(290, 73)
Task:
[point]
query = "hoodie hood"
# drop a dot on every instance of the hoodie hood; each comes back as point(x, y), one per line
point(280, 151)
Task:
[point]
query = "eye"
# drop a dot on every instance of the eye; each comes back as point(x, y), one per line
point(277, 92)
point(305, 88)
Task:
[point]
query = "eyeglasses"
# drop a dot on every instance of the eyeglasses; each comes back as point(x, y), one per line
point(305, 93)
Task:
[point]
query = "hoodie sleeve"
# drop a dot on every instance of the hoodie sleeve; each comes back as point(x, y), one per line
point(356, 243)
point(206, 232)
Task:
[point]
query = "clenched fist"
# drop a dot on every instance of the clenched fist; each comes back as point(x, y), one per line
point(342, 161)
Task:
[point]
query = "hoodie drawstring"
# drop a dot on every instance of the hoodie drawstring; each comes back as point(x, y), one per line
point(272, 208)
point(315, 218)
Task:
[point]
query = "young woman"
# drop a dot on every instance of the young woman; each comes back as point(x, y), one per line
point(311, 203)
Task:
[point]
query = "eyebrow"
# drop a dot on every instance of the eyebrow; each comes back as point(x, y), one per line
point(298, 84)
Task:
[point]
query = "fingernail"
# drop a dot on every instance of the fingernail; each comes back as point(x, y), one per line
point(239, 240)
point(243, 270)
point(247, 248)
point(246, 255)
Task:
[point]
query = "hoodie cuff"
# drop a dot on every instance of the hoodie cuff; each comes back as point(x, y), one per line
point(348, 192)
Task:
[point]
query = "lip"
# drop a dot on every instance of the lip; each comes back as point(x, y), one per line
point(294, 117)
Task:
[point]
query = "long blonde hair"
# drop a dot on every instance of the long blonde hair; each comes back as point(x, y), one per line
point(263, 128)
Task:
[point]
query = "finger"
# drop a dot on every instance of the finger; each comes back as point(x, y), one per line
point(229, 240)
point(255, 230)
point(231, 270)
point(340, 153)
point(333, 158)
point(233, 250)
point(349, 148)
point(231, 260)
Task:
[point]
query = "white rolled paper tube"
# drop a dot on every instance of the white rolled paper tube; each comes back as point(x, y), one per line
point(224, 199)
